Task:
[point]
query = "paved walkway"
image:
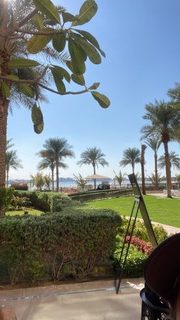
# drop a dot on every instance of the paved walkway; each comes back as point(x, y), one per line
point(86, 301)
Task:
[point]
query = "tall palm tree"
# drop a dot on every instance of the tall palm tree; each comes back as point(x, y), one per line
point(47, 162)
point(131, 156)
point(57, 149)
point(93, 156)
point(154, 143)
point(12, 161)
point(164, 120)
point(173, 158)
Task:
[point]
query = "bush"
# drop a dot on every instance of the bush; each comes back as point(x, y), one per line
point(6, 195)
point(141, 232)
point(134, 263)
point(46, 201)
point(100, 194)
point(35, 248)
point(20, 186)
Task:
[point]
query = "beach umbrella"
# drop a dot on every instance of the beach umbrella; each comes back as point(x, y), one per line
point(96, 177)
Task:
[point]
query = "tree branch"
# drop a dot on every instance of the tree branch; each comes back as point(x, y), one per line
point(42, 33)
point(27, 18)
point(35, 81)
point(66, 93)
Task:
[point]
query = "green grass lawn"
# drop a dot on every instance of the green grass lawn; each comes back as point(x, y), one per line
point(162, 210)
point(21, 212)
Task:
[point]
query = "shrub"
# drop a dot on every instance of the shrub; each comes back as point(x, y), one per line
point(20, 186)
point(100, 194)
point(141, 232)
point(45, 201)
point(6, 195)
point(141, 245)
point(134, 263)
point(18, 203)
point(56, 246)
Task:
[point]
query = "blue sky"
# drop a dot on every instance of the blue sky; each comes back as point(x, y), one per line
point(142, 43)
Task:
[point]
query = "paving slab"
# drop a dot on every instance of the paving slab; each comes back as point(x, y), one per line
point(85, 301)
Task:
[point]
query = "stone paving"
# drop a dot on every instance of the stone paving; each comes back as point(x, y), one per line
point(95, 300)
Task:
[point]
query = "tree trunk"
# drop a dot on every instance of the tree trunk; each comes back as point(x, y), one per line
point(94, 170)
point(156, 170)
point(133, 167)
point(52, 178)
point(7, 177)
point(168, 170)
point(57, 176)
point(143, 147)
point(3, 131)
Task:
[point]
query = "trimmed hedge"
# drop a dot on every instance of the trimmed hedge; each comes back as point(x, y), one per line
point(100, 194)
point(53, 247)
point(46, 201)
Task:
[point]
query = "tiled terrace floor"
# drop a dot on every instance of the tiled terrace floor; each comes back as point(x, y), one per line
point(85, 301)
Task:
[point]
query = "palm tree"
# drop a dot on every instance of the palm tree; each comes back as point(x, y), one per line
point(173, 158)
point(164, 121)
point(155, 180)
point(80, 181)
point(119, 177)
point(154, 143)
point(93, 156)
point(47, 162)
point(11, 160)
point(131, 156)
point(57, 149)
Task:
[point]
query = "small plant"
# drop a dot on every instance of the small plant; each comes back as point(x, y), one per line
point(80, 181)
point(141, 245)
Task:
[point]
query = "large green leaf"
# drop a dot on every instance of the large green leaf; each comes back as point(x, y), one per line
point(89, 49)
point(103, 101)
point(38, 128)
point(91, 39)
point(62, 73)
point(36, 115)
point(26, 89)
point(22, 63)
point(77, 57)
point(12, 77)
point(57, 75)
point(79, 79)
point(87, 11)
point(5, 89)
point(48, 8)
point(59, 41)
point(38, 42)
point(94, 86)
point(68, 16)
point(38, 21)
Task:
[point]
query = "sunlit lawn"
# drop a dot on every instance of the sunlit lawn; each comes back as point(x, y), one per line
point(162, 210)
point(21, 212)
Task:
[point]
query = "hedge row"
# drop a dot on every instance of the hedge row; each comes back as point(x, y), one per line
point(54, 247)
point(100, 194)
point(45, 201)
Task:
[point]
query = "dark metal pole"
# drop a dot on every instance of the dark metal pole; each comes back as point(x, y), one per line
point(143, 147)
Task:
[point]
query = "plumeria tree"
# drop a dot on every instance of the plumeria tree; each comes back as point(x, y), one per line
point(30, 32)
